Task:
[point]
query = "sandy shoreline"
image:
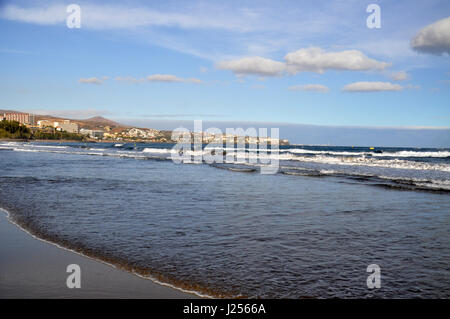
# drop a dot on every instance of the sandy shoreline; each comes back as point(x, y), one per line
point(77, 141)
point(32, 268)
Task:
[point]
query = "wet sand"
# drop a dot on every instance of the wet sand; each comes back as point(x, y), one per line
point(32, 268)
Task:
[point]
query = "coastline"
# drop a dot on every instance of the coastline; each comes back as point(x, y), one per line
point(76, 141)
point(31, 267)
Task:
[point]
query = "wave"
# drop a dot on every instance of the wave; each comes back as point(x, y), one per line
point(48, 146)
point(328, 165)
point(411, 183)
point(13, 144)
point(437, 154)
point(374, 162)
point(157, 150)
point(442, 154)
point(251, 156)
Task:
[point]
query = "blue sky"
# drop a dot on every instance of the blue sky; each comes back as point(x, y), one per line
point(264, 61)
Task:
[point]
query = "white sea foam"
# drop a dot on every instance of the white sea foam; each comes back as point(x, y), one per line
point(45, 146)
point(442, 154)
point(157, 150)
point(98, 149)
point(414, 154)
point(320, 157)
point(367, 161)
point(312, 152)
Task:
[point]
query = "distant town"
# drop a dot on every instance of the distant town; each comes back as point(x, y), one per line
point(98, 129)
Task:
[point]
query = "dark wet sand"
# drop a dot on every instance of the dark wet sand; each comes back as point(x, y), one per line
point(31, 268)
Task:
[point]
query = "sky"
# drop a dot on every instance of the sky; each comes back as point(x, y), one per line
point(274, 62)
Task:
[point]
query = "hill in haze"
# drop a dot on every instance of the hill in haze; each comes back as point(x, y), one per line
point(92, 123)
point(96, 122)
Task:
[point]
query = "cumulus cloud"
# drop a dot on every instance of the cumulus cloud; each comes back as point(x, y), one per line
point(434, 38)
point(92, 80)
point(372, 87)
point(171, 78)
point(254, 66)
point(310, 87)
point(167, 78)
point(311, 59)
point(314, 59)
point(163, 78)
point(129, 79)
point(399, 76)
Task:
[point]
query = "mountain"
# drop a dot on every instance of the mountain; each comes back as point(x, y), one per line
point(7, 111)
point(100, 120)
point(96, 122)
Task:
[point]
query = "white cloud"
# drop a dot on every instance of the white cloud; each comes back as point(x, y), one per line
point(399, 76)
point(171, 78)
point(314, 59)
point(311, 59)
point(310, 87)
point(434, 38)
point(254, 66)
point(267, 30)
point(129, 79)
point(193, 80)
point(167, 78)
point(93, 80)
point(121, 17)
point(372, 87)
point(44, 16)
point(163, 78)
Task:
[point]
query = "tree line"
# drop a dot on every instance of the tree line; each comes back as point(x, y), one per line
point(13, 129)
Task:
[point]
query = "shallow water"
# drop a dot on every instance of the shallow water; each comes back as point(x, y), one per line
point(310, 232)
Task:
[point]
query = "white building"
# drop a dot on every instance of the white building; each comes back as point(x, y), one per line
point(141, 133)
point(64, 125)
point(92, 133)
point(67, 126)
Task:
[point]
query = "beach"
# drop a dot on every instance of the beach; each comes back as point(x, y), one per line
point(32, 268)
point(224, 230)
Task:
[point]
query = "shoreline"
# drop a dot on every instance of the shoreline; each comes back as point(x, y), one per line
point(31, 267)
point(76, 141)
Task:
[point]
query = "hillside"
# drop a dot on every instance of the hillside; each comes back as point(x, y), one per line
point(101, 120)
point(96, 122)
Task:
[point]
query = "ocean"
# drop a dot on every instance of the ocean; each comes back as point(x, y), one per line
point(225, 230)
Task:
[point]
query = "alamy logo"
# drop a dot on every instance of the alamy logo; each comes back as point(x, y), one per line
point(374, 279)
point(374, 19)
point(74, 18)
point(74, 279)
point(250, 146)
